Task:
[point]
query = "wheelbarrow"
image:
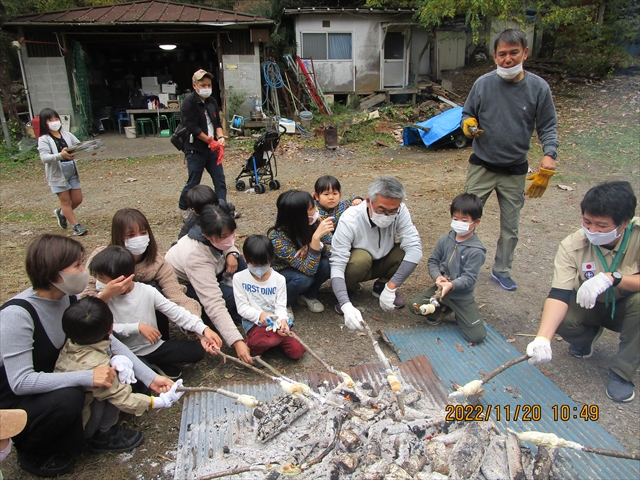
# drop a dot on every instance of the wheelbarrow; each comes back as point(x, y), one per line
point(438, 131)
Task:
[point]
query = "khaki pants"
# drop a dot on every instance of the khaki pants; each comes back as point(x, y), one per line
point(580, 326)
point(466, 311)
point(362, 267)
point(510, 192)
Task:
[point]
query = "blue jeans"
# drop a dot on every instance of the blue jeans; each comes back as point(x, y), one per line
point(308, 285)
point(197, 163)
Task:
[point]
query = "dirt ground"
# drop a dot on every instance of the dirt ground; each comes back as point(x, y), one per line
point(599, 135)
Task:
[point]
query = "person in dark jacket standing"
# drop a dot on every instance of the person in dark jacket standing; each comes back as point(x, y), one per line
point(201, 117)
point(454, 265)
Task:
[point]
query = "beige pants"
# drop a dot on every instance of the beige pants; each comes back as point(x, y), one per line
point(510, 192)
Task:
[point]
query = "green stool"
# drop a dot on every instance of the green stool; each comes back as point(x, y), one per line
point(163, 118)
point(176, 118)
point(141, 125)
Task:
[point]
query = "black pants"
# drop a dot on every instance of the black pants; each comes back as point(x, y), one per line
point(54, 422)
point(175, 351)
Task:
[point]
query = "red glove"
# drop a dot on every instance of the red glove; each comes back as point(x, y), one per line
point(214, 146)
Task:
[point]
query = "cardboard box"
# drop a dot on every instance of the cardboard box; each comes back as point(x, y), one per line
point(173, 104)
point(149, 80)
point(151, 89)
point(169, 87)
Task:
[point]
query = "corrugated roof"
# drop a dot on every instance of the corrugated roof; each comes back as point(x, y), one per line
point(142, 12)
point(211, 422)
point(454, 361)
point(356, 10)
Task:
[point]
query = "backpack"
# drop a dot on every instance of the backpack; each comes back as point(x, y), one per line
point(179, 136)
point(136, 99)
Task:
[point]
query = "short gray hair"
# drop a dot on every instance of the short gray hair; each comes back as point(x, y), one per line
point(387, 187)
point(511, 36)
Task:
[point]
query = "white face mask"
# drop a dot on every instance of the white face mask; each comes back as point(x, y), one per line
point(137, 245)
point(55, 126)
point(205, 92)
point(259, 271)
point(599, 238)
point(315, 217)
point(511, 72)
point(461, 228)
point(100, 286)
point(382, 221)
point(73, 283)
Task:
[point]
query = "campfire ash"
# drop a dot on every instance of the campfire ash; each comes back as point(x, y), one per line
point(369, 439)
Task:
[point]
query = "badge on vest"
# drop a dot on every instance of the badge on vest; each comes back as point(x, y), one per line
point(589, 269)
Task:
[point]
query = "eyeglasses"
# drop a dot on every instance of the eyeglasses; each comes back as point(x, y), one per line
point(384, 211)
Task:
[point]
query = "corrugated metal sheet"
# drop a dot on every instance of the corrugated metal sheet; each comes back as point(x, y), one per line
point(210, 421)
point(454, 361)
point(151, 11)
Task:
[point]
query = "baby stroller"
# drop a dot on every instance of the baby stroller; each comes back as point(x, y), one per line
point(258, 168)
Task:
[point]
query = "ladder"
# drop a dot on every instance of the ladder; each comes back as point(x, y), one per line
point(307, 81)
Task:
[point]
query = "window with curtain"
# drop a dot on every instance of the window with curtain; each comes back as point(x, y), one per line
point(327, 46)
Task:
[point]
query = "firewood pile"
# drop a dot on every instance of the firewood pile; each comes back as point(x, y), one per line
point(361, 433)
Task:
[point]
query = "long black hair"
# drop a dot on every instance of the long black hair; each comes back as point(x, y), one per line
point(293, 219)
point(47, 114)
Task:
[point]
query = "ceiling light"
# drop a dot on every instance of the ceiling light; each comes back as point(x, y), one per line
point(168, 47)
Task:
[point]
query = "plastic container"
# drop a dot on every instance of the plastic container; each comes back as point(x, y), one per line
point(35, 123)
point(331, 137)
point(130, 132)
point(305, 119)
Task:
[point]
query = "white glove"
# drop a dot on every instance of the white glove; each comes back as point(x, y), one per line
point(539, 350)
point(165, 400)
point(590, 289)
point(387, 297)
point(124, 367)
point(352, 317)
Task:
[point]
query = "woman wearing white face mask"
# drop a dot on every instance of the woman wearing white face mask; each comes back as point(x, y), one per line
point(131, 229)
point(60, 168)
point(31, 337)
point(205, 260)
point(301, 256)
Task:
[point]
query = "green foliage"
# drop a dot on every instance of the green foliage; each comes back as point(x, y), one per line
point(234, 101)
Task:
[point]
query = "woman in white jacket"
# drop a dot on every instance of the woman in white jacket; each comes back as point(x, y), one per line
point(60, 168)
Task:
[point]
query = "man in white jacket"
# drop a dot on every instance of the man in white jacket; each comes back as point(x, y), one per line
point(374, 240)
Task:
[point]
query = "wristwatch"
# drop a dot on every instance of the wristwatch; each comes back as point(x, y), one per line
point(235, 254)
point(553, 155)
point(617, 278)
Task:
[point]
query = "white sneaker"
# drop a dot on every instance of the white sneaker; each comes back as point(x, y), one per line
point(290, 313)
point(314, 305)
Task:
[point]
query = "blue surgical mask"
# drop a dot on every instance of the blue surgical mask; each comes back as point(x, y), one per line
point(259, 270)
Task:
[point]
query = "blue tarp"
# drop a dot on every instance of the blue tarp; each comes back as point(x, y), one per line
point(440, 125)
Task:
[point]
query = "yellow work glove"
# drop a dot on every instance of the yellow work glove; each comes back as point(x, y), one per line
point(540, 182)
point(470, 128)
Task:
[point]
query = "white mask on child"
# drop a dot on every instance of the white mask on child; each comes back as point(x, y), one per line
point(137, 245)
point(55, 126)
point(100, 286)
point(461, 228)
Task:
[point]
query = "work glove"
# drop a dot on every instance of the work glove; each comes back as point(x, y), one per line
point(352, 317)
point(539, 350)
point(540, 182)
point(470, 128)
point(387, 297)
point(215, 146)
point(165, 400)
point(124, 367)
point(590, 289)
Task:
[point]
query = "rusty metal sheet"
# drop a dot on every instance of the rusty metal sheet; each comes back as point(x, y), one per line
point(172, 13)
point(131, 14)
point(454, 360)
point(154, 12)
point(211, 422)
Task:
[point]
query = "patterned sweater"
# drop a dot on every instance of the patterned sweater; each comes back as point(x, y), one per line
point(335, 212)
point(286, 255)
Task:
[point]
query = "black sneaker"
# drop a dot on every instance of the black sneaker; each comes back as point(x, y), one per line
point(378, 288)
point(45, 466)
point(79, 230)
point(505, 282)
point(619, 389)
point(338, 309)
point(168, 370)
point(62, 220)
point(116, 439)
point(586, 350)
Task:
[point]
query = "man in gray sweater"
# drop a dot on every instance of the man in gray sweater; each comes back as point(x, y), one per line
point(364, 247)
point(500, 114)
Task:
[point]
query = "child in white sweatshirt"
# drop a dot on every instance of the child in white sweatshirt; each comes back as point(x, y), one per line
point(135, 319)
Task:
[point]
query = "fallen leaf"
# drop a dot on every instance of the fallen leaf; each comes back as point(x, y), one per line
point(459, 347)
point(361, 334)
point(130, 180)
point(228, 375)
point(558, 338)
point(545, 372)
point(535, 220)
point(511, 340)
point(565, 187)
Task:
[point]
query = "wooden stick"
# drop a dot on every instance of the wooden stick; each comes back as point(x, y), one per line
point(314, 354)
point(219, 391)
point(244, 364)
point(543, 462)
point(502, 368)
point(331, 446)
point(611, 453)
point(234, 471)
point(259, 359)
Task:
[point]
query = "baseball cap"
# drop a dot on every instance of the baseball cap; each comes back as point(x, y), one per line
point(200, 74)
point(12, 422)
